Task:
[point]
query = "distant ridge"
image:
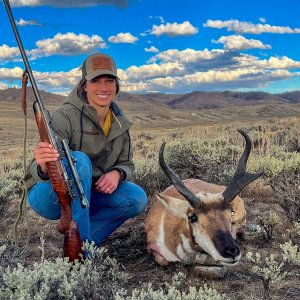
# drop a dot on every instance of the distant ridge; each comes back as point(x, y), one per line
point(14, 95)
point(193, 100)
point(175, 110)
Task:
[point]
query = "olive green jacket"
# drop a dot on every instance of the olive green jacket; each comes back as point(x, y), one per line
point(78, 122)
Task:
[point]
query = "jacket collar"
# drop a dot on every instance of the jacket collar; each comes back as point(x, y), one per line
point(120, 122)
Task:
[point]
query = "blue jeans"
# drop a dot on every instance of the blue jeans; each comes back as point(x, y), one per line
point(106, 212)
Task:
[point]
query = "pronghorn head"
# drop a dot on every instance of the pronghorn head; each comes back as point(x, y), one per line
point(209, 215)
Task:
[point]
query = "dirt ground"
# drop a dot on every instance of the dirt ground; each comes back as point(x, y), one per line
point(128, 246)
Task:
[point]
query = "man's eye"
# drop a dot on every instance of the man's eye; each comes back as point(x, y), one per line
point(94, 80)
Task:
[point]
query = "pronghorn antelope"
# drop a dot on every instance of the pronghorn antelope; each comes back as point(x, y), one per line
point(197, 221)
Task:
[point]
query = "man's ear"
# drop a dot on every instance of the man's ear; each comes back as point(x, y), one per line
point(177, 207)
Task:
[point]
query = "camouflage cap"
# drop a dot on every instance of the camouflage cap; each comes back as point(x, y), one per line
point(98, 64)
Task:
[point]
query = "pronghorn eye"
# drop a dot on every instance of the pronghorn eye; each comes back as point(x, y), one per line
point(232, 212)
point(193, 218)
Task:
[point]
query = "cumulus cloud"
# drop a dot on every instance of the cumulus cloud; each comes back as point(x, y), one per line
point(174, 29)
point(54, 80)
point(198, 60)
point(123, 37)
point(161, 19)
point(3, 86)
point(283, 62)
point(210, 80)
point(11, 74)
point(280, 63)
point(69, 3)
point(151, 49)
point(180, 71)
point(67, 44)
point(8, 53)
point(188, 70)
point(23, 23)
point(248, 27)
point(50, 81)
point(238, 42)
point(262, 20)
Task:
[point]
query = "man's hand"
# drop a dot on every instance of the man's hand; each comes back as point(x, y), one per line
point(108, 182)
point(44, 153)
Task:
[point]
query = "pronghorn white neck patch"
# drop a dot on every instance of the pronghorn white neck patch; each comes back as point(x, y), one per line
point(184, 250)
point(165, 252)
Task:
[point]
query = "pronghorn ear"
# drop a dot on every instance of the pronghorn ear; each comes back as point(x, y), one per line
point(175, 206)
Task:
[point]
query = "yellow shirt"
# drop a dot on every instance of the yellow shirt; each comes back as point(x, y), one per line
point(107, 123)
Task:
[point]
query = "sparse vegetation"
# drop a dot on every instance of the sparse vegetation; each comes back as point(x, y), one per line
point(209, 152)
point(268, 269)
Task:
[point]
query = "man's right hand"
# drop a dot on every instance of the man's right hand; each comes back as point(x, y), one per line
point(43, 153)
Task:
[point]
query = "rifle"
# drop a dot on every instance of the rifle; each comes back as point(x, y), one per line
point(59, 177)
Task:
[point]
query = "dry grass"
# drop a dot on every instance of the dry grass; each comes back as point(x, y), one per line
point(128, 244)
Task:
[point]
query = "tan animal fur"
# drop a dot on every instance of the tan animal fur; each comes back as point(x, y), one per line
point(160, 216)
point(196, 221)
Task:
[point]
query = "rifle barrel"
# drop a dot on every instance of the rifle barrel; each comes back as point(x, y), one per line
point(24, 56)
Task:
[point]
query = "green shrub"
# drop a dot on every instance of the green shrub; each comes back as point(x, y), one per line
point(286, 187)
point(269, 223)
point(268, 269)
point(98, 277)
point(173, 292)
point(291, 253)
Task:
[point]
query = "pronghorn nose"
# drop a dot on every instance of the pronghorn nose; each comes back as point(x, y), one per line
point(232, 251)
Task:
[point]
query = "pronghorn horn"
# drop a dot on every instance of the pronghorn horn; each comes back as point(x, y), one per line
point(179, 185)
point(240, 178)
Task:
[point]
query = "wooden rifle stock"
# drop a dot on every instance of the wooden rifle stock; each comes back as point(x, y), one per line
point(72, 241)
point(57, 173)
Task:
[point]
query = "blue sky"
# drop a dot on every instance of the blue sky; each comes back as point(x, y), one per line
point(159, 46)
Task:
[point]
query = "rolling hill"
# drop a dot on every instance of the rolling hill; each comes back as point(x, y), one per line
point(175, 110)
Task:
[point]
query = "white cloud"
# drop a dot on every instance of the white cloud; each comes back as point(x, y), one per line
point(69, 3)
point(22, 23)
point(8, 74)
point(262, 20)
point(238, 42)
point(67, 44)
point(151, 49)
point(55, 80)
point(8, 53)
point(154, 70)
point(180, 71)
point(248, 27)
point(249, 61)
point(161, 19)
point(210, 80)
point(174, 29)
point(123, 37)
point(188, 70)
point(3, 86)
point(280, 63)
point(190, 56)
